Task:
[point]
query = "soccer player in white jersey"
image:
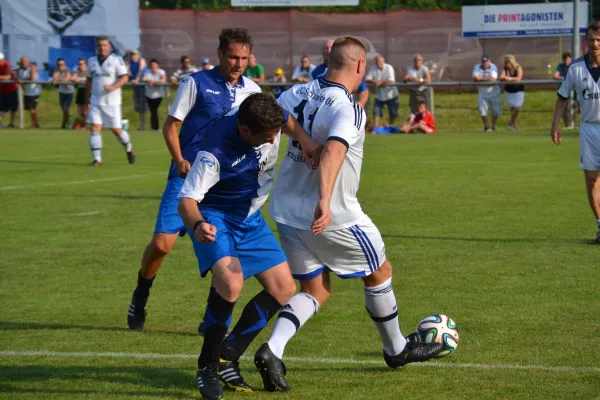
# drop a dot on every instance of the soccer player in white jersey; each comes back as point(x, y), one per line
point(583, 76)
point(336, 236)
point(490, 96)
point(106, 75)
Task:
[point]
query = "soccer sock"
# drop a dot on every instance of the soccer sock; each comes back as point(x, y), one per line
point(293, 315)
point(254, 318)
point(216, 322)
point(381, 306)
point(96, 146)
point(124, 140)
point(143, 286)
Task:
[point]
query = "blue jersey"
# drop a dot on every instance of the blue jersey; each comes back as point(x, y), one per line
point(318, 71)
point(228, 174)
point(203, 98)
point(134, 67)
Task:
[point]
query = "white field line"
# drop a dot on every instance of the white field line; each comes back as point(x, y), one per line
point(50, 184)
point(85, 214)
point(318, 360)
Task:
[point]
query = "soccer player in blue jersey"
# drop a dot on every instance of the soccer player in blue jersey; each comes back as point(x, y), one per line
point(202, 98)
point(220, 205)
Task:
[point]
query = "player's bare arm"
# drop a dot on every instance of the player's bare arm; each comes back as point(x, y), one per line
point(559, 109)
point(117, 85)
point(171, 135)
point(332, 159)
point(311, 150)
point(203, 231)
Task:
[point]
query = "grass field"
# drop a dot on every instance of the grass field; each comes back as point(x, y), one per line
point(491, 229)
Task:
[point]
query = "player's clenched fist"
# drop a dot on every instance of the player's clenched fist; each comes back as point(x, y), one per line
point(205, 232)
point(183, 167)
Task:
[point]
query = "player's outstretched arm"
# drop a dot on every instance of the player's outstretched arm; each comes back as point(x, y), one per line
point(559, 109)
point(332, 159)
point(311, 150)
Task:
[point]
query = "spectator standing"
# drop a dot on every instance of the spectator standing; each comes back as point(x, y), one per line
point(279, 77)
point(559, 75)
point(515, 94)
point(420, 122)
point(62, 78)
point(254, 71)
point(136, 70)
point(206, 65)
point(9, 92)
point(303, 72)
point(417, 73)
point(186, 69)
point(81, 100)
point(489, 95)
point(31, 91)
point(154, 92)
point(322, 68)
point(382, 74)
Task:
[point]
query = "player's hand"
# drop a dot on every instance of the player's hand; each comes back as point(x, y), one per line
point(322, 217)
point(183, 167)
point(205, 233)
point(135, 81)
point(555, 134)
point(311, 150)
point(108, 88)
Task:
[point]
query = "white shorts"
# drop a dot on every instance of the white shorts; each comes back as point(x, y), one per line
point(352, 252)
point(493, 101)
point(107, 116)
point(514, 99)
point(589, 146)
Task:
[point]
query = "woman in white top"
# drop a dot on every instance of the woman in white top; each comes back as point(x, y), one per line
point(83, 103)
point(62, 74)
point(31, 91)
point(154, 92)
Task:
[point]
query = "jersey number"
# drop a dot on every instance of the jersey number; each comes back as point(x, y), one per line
point(299, 110)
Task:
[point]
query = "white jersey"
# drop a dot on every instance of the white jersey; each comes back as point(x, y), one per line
point(584, 80)
point(105, 73)
point(327, 112)
point(491, 72)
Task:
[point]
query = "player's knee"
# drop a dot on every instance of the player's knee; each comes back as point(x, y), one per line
point(161, 245)
point(231, 288)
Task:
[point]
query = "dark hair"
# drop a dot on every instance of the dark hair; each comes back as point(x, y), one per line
point(82, 59)
point(593, 27)
point(421, 102)
point(101, 38)
point(183, 58)
point(59, 60)
point(566, 55)
point(154, 60)
point(260, 113)
point(234, 35)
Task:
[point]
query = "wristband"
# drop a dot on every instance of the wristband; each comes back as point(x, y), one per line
point(197, 224)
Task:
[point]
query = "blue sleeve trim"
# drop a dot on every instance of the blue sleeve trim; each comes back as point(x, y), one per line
point(339, 139)
point(286, 116)
point(362, 87)
point(562, 97)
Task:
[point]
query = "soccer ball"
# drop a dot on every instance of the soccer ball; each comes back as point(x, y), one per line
point(442, 329)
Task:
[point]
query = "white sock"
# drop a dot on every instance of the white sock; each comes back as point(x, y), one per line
point(123, 138)
point(96, 146)
point(291, 317)
point(381, 306)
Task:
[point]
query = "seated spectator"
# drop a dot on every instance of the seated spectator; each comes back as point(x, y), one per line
point(279, 77)
point(31, 91)
point(303, 72)
point(421, 122)
point(83, 103)
point(62, 78)
point(9, 92)
point(186, 69)
point(254, 71)
point(206, 65)
point(154, 92)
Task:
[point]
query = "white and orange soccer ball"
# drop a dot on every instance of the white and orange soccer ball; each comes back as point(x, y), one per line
point(442, 329)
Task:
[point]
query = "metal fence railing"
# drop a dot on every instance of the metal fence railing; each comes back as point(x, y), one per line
point(430, 89)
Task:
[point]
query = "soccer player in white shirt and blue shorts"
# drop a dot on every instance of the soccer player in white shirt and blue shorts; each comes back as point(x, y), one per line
point(490, 96)
point(583, 77)
point(337, 236)
point(106, 75)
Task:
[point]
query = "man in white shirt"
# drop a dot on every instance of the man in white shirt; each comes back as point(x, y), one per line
point(489, 95)
point(382, 74)
point(336, 236)
point(303, 72)
point(583, 77)
point(106, 75)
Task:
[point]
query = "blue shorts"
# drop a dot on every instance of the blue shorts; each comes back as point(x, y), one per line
point(250, 241)
point(168, 219)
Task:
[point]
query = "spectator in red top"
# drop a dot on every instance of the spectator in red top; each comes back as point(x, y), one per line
point(421, 122)
point(9, 99)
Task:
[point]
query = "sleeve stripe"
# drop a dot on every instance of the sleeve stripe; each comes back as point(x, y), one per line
point(561, 96)
point(339, 139)
point(358, 116)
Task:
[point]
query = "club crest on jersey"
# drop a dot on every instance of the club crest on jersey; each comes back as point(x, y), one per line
point(207, 161)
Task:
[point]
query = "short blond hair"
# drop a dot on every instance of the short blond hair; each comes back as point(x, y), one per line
point(339, 58)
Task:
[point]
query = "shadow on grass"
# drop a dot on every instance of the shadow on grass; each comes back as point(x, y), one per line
point(67, 380)
point(492, 240)
point(23, 326)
